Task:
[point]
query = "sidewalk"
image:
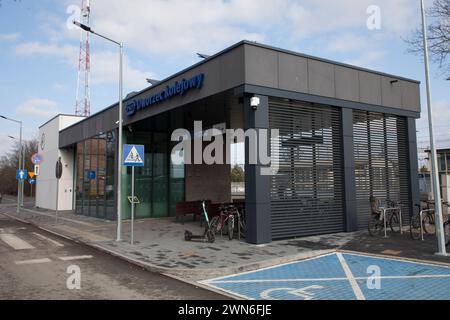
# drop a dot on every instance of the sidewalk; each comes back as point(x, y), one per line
point(160, 245)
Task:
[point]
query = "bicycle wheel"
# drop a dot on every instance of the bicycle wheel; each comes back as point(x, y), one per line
point(210, 237)
point(242, 226)
point(394, 222)
point(414, 227)
point(214, 224)
point(428, 224)
point(447, 232)
point(375, 226)
point(230, 226)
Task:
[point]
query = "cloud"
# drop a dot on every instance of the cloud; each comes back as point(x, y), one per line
point(441, 125)
point(367, 59)
point(38, 108)
point(67, 53)
point(104, 64)
point(105, 70)
point(5, 143)
point(9, 37)
point(179, 28)
point(176, 29)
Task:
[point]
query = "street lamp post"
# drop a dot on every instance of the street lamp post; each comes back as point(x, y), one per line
point(21, 167)
point(19, 182)
point(434, 166)
point(119, 151)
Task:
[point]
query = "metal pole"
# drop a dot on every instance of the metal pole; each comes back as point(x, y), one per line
point(132, 205)
point(22, 195)
point(119, 151)
point(57, 195)
point(20, 167)
point(434, 166)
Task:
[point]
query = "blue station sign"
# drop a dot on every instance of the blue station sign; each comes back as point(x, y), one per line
point(179, 88)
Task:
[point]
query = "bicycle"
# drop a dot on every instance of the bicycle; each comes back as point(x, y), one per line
point(241, 225)
point(376, 225)
point(447, 232)
point(423, 221)
point(226, 218)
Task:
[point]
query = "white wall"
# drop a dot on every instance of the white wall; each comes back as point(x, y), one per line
point(46, 181)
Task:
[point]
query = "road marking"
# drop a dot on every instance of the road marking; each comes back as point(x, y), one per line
point(10, 230)
point(15, 242)
point(302, 292)
point(423, 276)
point(319, 256)
point(356, 289)
point(75, 258)
point(56, 243)
point(35, 261)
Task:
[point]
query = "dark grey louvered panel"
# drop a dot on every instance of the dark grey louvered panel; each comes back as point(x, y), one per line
point(381, 167)
point(307, 192)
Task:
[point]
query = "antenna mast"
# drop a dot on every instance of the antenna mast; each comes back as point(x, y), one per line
point(83, 102)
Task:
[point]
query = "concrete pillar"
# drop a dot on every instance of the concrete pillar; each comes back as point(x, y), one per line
point(350, 215)
point(257, 186)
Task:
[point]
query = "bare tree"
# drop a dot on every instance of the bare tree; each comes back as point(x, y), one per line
point(9, 163)
point(438, 35)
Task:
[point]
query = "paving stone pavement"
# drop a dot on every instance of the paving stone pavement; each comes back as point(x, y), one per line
point(160, 244)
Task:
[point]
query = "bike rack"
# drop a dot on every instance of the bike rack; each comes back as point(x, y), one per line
point(383, 210)
point(421, 221)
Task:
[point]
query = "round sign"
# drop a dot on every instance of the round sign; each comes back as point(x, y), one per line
point(58, 169)
point(42, 143)
point(36, 159)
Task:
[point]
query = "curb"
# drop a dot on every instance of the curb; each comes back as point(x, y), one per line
point(182, 274)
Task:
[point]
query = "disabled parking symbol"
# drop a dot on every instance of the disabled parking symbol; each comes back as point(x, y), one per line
point(304, 293)
point(341, 276)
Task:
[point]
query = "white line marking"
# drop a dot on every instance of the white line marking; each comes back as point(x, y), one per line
point(424, 276)
point(356, 289)
point(75, 258)
point(15, 242)
point(35, 261)
point(56, 243)
point(398, 259)
point(268, 268)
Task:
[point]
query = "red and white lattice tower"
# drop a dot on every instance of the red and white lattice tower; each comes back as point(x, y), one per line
point(83, 103)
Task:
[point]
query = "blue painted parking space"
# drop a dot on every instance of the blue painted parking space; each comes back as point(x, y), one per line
point(341, 276)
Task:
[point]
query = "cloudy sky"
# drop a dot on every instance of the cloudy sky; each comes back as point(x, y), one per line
point(39, 48)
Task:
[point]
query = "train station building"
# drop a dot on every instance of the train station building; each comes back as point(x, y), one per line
point(345, 134)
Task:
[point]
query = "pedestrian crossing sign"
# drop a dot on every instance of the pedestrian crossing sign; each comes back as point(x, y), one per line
point(133, 155)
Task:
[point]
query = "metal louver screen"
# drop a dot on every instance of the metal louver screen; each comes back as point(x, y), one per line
point(381, 167)
point(307, 193)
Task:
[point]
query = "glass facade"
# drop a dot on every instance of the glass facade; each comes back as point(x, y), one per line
point(159, 185)
point(95, 162)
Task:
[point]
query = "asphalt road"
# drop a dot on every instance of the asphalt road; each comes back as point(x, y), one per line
point(35, 264)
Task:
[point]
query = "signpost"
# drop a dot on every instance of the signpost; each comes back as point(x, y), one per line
point(31, 181)
point(133, 156)
point(58, 175)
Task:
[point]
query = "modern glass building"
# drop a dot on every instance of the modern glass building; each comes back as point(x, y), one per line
point(346, 134)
